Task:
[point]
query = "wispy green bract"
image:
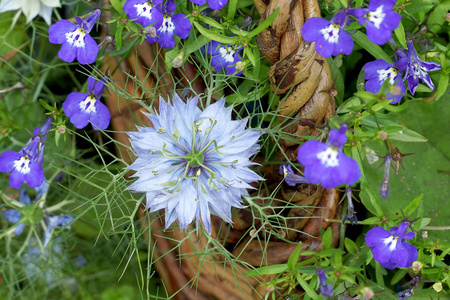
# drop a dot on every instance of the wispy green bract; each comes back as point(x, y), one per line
point(194, 163)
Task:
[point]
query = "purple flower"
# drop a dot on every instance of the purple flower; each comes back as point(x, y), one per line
point(145, 12)
point(325, 289)
point(329, 36)
point(390, 248)
point(224, 57)
point(171, 25)
point(378, 71)
point(23, 167)
point(381, 19)
point(75, 39)
point(290, 177)
point(82, 108)
point(213, 4)
point(417, 69)
point(326, 163)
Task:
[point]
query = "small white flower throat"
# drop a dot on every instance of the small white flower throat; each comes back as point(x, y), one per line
point(376, 17)
point(144, 9)
point(329, 157)
point(23, 164)
point(88, 104)
point(76, 38)
point(331, 33)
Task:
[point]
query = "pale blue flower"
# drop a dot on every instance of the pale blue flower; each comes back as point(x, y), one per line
point(194, 163)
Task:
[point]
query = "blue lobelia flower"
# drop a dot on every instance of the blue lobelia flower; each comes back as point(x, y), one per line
point(325, 289)
point(381, 19)
point(378, 71)
point(144, 12)
point(330, 37)
point(194, 163)
point(390, 248)
point(213, 4)
point(417, 69)
point(326, 163)
point(224, 57)
point(75, 39)
point(82, 108)
point(26, 165)
point(171, 25)
point(290, 177)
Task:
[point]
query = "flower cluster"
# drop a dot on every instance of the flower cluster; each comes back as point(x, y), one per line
point(75, 39)
point(161, 17)
point(390, 248)
point(44, 8)
point(331, 37)
point(225, 57)
point(26, 165)
point(83, 108)
point(326, 163)
point(194, 163)
point(379, 71)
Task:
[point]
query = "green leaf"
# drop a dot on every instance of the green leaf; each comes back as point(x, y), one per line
point(413, 205)
point(212, 35)
point(196, 44)
point(118, 5)
point(362, 40)
point(327, 239)
point(400, 34)
point(232, 5)
point(294, 258)
point(310, 291)
point(442, 85)
point(350, 246)
point(419, 6)
point(266, 23)
point(210, 22)
point(46, 105)
point(339, 83)
point(399, 275)
point(118, 38)
point(268, 270)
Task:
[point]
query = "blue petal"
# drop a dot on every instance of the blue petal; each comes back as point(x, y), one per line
point(312, 27)
point(71, 106)
point(182, 25)
point(57, 32)
point(101, 118)
point(67, 52)
point(7, 159)
point(88, 53)
point(12, 215)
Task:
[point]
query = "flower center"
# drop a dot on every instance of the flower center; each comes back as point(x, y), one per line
point(390, 73)
point(23, 164)
point(376, 17)
point(167, 25)
point(331, 33)
point(76, 38)
point(144, 10)
point(195, 158)
point(88, 104)
point(227, 54)
point(329, 157)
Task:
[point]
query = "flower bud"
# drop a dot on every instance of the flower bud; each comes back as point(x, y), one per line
point(382, 135)
point(178, 61)
point(417, 266)
point(240, 65)
point(150, 31)
point(367, 293)
point(62, 129)
point(447, 17)
point(384, 188)
point(437, 287)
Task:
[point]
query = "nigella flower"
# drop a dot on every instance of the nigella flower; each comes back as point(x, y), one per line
point(378, 71)
point(194, 163)
point(26, 165)
point(325, 289)
point(75, 39)
point(171, 25)
point(390, 248)
point(31, 9)
point(224, 57)
point(14, 215)
point(326, 163)
point(144, 12)
point(213, 4)
point(330, 37)
point(290, 177)
point(82, 108)
point(381, 19)
point(418, 69)
point(52, 222)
